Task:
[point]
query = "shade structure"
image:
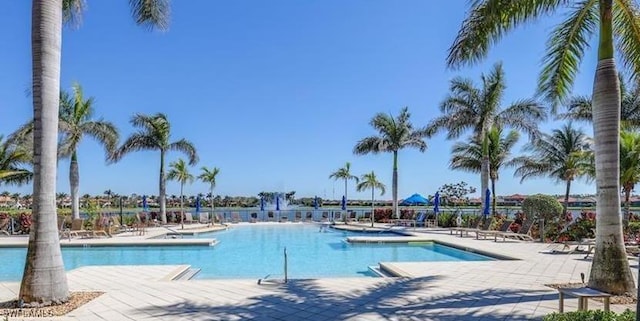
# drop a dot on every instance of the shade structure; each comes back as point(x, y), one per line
point(436, 203)
point(197, 204)
point(315, 202)
point(343, 204)
point(415, 199)
point(277, 202)
point(261, 203)
point(487, 201)
point(145, 207)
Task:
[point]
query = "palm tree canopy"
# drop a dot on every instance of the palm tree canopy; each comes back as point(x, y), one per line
point(209, 175)
point(344, 173)
point(487, 21)
point(154, 134)
point(468, 107)
point(13, 159)
point(394, 135)
point(152, 14)
point(629, 159)
point(468, 156)
point(580, 107)
point(370, 181)
point(559, 155)
point(179, 171)
point(75, 121)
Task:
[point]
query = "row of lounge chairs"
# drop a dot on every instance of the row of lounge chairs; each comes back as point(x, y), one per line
point(504, 231)
point(272, 216)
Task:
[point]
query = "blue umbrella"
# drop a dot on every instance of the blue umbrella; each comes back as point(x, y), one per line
point(344, 203)
point(197, 204)
point(262, 203)
point(487, 200)
point(436, 203)
point(277, 202)
point(315, 202)
point(144, 203)
point(415, 199)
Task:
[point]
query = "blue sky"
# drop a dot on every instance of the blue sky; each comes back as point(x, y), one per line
point(275, 93)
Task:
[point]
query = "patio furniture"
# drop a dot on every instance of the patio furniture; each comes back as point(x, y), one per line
point(583, 295)
point(522, 234)
point(503, 228)
point(472, 227)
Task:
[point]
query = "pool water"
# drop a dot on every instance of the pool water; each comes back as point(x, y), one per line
point(254, 252)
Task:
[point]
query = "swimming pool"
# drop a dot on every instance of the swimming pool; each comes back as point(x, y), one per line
point(255, 251)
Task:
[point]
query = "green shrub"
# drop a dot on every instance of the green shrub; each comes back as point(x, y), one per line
point(542, 206)
point(591, 315)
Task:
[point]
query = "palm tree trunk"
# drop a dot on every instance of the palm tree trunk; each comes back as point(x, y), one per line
point(44, 279)
point(212, 206)
point(484, 170)
point(373, 205)
point(163, 191)
point(181, 206)
point(566, 200)
point(493, 198)
point(394, 185)
point(610, 270)
point(74, 183)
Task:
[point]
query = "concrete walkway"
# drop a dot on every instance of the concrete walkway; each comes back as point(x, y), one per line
point(487, 290)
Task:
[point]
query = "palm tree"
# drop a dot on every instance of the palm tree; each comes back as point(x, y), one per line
point(558, 156)
point(344, 173)
point(580, 107)
point(615, 23)
point(179, 171)
point(76, 122)
point(44, 278)
point(13, 158)
point(629, 165)
point(209, 176)
point(108, 193)
point(468, 156)
point(394, 134)
point(468, 107)
point(155, 134)
point(370, 181)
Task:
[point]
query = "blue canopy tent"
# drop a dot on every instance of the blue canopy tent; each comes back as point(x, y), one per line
point(415, 199)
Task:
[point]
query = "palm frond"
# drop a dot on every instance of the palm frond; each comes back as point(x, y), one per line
point(488, 21)
point(371, 144)
point(136, 142)
point(104, 132)
point(72, 12)
point(153, 14)
point(565, 50)
point(579, 109)
point(187, 148)
point(626, 20)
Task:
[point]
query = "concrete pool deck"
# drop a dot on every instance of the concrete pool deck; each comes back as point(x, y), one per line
point(488, 290)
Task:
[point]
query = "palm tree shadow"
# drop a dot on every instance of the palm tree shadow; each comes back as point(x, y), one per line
point(398, 299)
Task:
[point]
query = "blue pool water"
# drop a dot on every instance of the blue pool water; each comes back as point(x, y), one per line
point(255, 251)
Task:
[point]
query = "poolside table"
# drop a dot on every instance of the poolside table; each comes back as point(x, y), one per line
point(583, 295)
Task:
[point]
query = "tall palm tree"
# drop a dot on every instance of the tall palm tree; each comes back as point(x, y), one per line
point(468, 107)
point(580, 107)
point(344, 173)
point(155, 134)
point(44, 278)
point(629, 165)
point(394, 134)
point(209, 176)
point(558, 156)
point(615, 23)
point(179, 171)
point(75, 122)
point(13, 159)
point(108, 193)
point(370, 181)
point(468, 156)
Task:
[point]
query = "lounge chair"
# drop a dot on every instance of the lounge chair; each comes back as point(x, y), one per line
point(522, 234)
point(284, 217)
point(4, 225)
point(366, 217)
point(325, 216)
point(351, 216)
point(309, 217)
point(188, 218)
point(298, 217)
point(139, 226)
point(100, 227)
point(77, 229)
point(203, 218)
point(235, 217)
point(506, 224)
point(420, 220)
point(271, 216)
point(472, 227)
point(337, 216)
point(483, 228)
point(253, 217)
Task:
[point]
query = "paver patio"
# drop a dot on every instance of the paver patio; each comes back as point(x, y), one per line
point(487, 290)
